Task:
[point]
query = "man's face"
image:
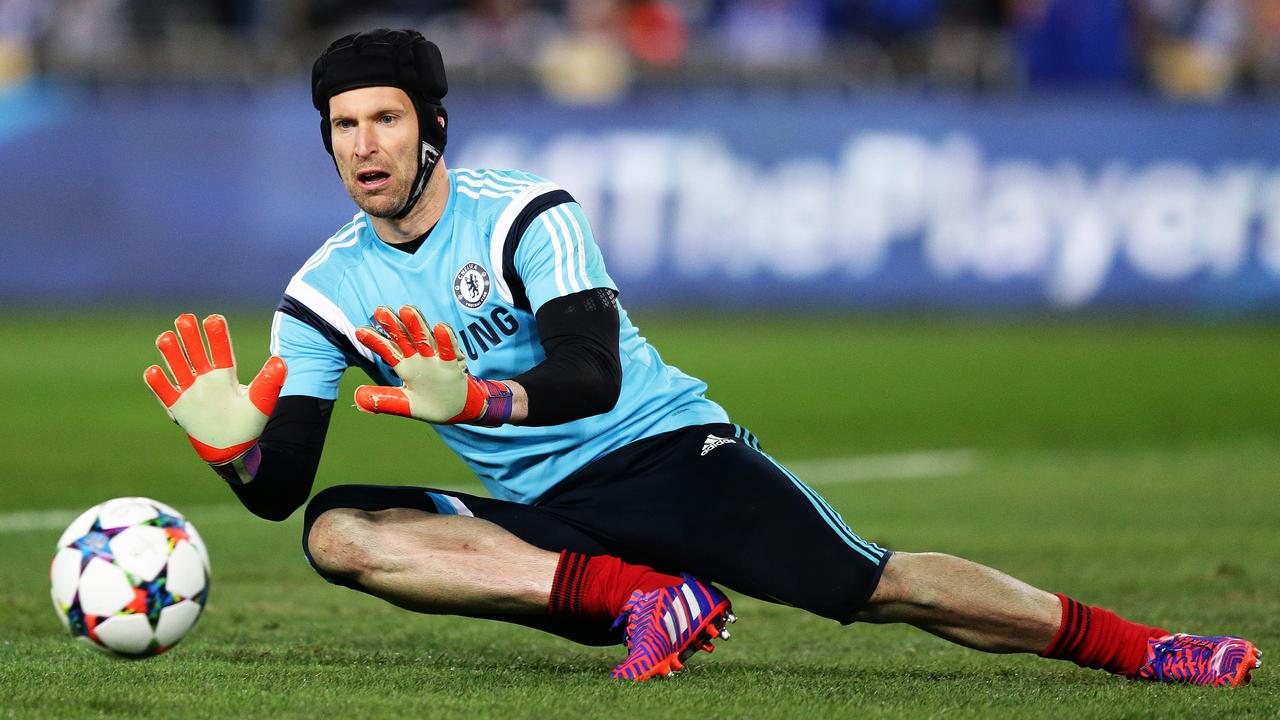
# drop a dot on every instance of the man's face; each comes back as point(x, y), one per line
point(375, 143)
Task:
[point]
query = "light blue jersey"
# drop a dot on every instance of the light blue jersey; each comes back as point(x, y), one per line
point(507, 243)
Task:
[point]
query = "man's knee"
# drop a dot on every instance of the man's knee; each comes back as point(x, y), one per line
point(337, 543)
point(893, 580)
point(911, 582)
point(340, 527)
point(907, 576)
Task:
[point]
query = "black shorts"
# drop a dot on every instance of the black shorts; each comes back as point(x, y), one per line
point(704, 499)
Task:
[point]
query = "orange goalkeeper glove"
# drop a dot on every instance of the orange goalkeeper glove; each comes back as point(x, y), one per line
point(437, 387)
point(222, 418)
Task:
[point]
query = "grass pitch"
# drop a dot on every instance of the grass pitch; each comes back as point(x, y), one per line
point(1132, 465)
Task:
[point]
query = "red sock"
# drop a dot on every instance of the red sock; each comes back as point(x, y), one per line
point(599, 586)
point(1096, 638)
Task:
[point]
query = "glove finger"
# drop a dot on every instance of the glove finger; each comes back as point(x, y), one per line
point(160, 385)
point(192, 343)
point(417, 326)
point(379, 399)
point(171, 348)
point(390, 324)
point(215, 328)
point(264, 390)
point(446, 341)
point(381, 346)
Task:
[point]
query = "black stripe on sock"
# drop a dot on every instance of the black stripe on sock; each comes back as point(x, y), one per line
point(580, 571)
point(1084, 631)
point(1068, 632)
point(566, 578)
point(1066, 636)
point(1072, 637)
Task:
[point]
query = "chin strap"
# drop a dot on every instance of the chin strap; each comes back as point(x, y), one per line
point(427, 160)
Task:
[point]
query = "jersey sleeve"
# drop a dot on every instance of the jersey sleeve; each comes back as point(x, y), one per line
point(558, 256)
point(315, 364)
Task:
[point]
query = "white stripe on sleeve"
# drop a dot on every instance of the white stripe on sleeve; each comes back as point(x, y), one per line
point(347, 237)
point(555, 245)
point(484, 192)
point(503, 226)
point(328, 311)
point(275, 332)
point(582, 246)
point(570, 251)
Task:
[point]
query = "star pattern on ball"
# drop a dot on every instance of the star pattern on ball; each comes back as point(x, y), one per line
point(109, 607)
point(95, 544)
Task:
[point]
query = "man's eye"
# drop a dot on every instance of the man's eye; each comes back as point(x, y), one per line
point(388, 119)
point(342, 124)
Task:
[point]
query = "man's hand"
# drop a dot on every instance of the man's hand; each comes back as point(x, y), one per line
point(222, 418)
point(437, 387)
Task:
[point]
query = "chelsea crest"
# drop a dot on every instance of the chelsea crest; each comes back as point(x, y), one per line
point(471, 285)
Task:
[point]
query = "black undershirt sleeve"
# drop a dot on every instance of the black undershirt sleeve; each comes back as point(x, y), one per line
point(582, 373)
point(291, 444)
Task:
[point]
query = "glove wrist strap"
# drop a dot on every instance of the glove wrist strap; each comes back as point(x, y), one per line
point(242, 469)
point(497, 407)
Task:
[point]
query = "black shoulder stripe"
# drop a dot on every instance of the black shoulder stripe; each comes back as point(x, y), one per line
point(294, 308)
point(536, 207)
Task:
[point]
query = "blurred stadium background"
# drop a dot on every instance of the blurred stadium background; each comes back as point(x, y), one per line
point(1035, 242)
point(989, 154)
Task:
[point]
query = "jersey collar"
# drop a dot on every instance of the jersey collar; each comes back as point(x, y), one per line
point(438, 236)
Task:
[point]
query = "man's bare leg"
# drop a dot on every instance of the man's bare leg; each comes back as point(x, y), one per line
point(446, 564)
point(433, 563)
point(467, 566)
point(965, 603)
point(985, 609)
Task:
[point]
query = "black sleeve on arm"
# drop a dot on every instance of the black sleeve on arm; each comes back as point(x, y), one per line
point(291, 445)
point(582, 374)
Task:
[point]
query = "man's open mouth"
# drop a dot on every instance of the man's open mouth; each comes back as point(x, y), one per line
point(372, 178)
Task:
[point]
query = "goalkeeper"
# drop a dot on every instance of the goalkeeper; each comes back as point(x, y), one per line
point(478, 302)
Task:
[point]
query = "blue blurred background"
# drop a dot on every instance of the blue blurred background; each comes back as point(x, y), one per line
point(972, 155)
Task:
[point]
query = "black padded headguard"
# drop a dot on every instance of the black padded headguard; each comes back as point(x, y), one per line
point(394, 58)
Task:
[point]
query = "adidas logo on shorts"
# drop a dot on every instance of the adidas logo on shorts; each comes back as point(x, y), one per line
point(712, 442)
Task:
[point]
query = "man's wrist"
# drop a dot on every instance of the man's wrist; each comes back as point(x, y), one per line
point(242, 469)
point(497, 407)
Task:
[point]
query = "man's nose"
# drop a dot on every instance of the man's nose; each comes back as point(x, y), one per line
point(366, 143)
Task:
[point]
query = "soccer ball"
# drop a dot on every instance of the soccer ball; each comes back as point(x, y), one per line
point(130, 577)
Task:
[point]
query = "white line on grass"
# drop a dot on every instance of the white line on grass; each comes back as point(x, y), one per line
point(25, 521)
point(890, 466)
point(826, 471)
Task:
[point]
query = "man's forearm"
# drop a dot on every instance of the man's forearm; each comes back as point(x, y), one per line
point(291, 445)
point(582, 373)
